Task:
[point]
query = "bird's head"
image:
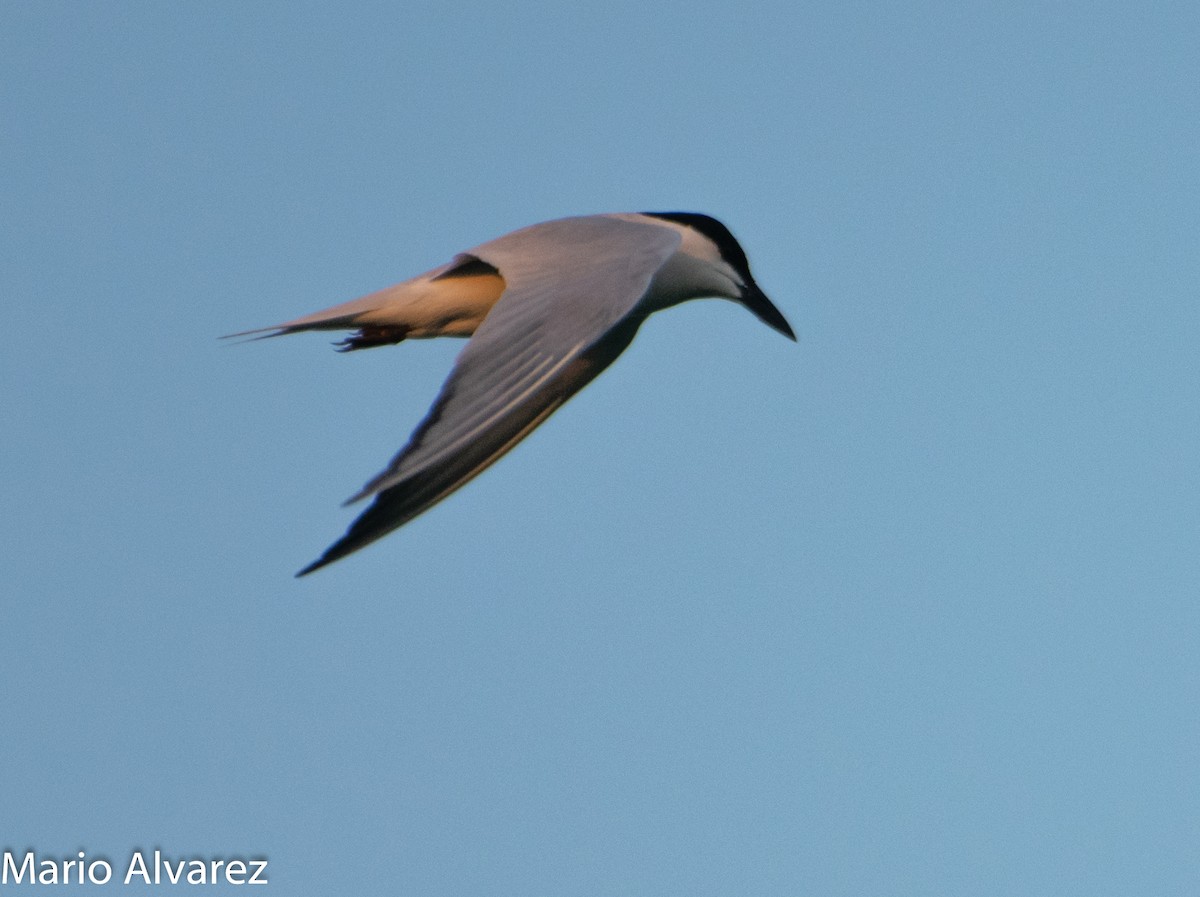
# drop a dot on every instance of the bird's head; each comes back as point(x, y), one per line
point(713, 241)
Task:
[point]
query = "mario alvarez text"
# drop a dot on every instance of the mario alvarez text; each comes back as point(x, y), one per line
point(143, 867)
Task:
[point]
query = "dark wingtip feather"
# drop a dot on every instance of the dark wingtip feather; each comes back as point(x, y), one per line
point(315, 565)
point(331, 554)
point(375, 522)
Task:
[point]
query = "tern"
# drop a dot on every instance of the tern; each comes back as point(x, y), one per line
point(547, 308)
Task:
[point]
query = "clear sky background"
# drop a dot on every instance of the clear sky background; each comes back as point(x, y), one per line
point(909, 608)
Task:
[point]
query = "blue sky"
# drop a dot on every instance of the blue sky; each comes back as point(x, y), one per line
point(908, 608)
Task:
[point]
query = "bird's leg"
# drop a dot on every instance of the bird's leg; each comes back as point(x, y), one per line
point(371, 336)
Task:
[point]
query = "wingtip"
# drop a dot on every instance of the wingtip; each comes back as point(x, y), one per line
point(315, 565)
point(334, 552)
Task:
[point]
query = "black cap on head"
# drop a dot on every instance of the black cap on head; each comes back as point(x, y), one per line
point(731, 250)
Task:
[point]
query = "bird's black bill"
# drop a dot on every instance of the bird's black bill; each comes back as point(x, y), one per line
point(756, 300)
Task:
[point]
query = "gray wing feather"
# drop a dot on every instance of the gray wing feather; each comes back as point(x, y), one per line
point(570, 284)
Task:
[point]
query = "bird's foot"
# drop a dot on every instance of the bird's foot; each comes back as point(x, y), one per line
point(372, 336)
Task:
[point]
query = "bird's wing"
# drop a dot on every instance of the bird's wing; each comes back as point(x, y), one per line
point(570, 285)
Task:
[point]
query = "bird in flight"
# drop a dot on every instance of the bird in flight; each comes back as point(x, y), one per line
point(547, 308)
